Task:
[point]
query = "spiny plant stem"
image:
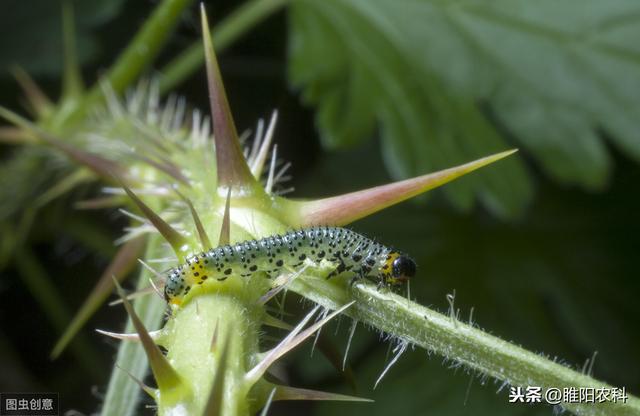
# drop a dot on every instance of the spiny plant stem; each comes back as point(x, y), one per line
point(458, 341)
point(197, 334)
point(225, 33)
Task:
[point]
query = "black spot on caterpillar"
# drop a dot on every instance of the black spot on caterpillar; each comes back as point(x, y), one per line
point(349, 250)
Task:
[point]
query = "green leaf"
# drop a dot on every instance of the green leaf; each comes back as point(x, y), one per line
point(550, 75)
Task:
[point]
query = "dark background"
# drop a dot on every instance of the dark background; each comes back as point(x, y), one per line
point(561, 280)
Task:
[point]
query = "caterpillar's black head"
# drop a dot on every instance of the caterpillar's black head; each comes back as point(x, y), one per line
point(403, 268)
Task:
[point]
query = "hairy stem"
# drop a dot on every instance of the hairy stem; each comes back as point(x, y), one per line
point(225, 33)
point(457, 341)
point(195, 338)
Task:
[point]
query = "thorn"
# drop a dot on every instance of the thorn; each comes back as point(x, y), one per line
point(293, 393)
point(451, 298)
point(163, 260)
point(134, 295)
point(337, 327)
point(231, 165)
point(120, 266)
point(242, 139)
point(99, 203)
point(101, 166)
point(177, 241)
point(256, 145)
point(261, 367)
point(386, 355)
point(279, 311)
point(40, 103)
point(76, 177)
point(134, 337)
point(504, 384)
point(225, 229)
point(275, 322)
point(399, 350)
point(153, 271)
point(272, 168)
point(318, 332)
point(156, 289)
point(331, 353)
point(202, 234)
point(114, 105)
point(279, 177)
point(466, 395)
point(281, 282)
point(214, 337)
point(165, 375)
point(149, 390)
point(344, 209)
point(214, 404)
point(133, 216)
point(291, 341)
point(267, 405)
point(261, 157)
point(14, 135)
point(352, 331)
point(128, 337)
point(584, 367)
point(166, 167)
point(591, 363)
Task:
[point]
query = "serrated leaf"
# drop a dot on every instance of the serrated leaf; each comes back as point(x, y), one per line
point(551, 73)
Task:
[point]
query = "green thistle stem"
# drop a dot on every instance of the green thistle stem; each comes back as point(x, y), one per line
point(457, 341)
point(211, 319)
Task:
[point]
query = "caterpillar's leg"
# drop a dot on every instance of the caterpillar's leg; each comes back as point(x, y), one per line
point(355, 278)
point(268, 273)
point(361, 273)
point(339, 269)
point(365, 273)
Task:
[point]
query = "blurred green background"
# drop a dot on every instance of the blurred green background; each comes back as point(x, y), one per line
point(367, 92)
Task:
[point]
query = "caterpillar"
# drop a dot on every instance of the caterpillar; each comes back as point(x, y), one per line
point(351, 252)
